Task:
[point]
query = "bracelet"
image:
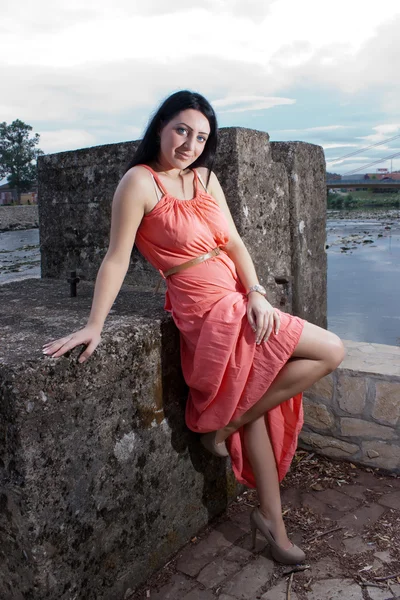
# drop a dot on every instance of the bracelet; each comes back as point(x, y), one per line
point(257, 288)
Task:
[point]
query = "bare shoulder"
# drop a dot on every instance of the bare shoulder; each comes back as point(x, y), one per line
point(205, 174)
point(135, 187)
point(137, 178)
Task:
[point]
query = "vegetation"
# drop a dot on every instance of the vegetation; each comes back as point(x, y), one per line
point(361, 199)
point(18, 154)
point(333, 175)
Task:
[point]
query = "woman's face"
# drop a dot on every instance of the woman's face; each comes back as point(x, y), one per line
point(183, 139)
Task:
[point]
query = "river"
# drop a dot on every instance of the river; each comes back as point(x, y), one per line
point(363, 251)
point(364, 275)
point(19, 254)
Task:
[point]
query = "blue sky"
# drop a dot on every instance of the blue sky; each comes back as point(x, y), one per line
point(85, 73)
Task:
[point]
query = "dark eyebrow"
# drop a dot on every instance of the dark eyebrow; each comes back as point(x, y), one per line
point(191, 129)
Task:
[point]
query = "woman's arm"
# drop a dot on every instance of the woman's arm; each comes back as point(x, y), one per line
point(261, 314)
point(128, 207)
point(127, 212)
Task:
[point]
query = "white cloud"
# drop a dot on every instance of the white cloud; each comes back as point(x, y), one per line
point(339, 145)
point(248, 103)
point(313, 129)
point(274, 34)
point(382, 132)
point(86, 67)
point(65, 139)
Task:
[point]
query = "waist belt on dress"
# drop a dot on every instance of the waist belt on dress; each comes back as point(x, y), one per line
point(187, 264)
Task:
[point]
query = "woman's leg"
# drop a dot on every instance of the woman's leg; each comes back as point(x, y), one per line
point(262, 460)
point(317, 353)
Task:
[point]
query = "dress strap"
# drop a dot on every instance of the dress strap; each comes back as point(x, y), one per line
point(157, 189)
point(201, 181)
point(196, 182)
point(155, 177)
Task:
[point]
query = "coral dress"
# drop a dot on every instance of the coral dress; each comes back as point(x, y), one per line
point(226, 371)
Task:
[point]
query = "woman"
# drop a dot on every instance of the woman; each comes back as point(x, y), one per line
point(246, 363)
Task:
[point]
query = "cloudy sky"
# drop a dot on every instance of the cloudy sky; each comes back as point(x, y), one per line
point(85, 73)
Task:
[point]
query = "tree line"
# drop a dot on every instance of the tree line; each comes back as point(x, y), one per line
point(18, 155)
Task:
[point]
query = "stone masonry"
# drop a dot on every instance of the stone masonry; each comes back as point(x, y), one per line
point(100, 478)
point(94, 457)
point(277, 197)
point(354, 413)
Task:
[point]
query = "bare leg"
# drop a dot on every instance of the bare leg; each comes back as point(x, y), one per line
point(318, 353)
point(262, 460)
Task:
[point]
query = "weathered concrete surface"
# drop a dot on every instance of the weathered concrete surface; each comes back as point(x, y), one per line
point(257, 192)
point(95, 456)
point(305, 167)
point(18, 217)
point(354, 413)
point(76, 190)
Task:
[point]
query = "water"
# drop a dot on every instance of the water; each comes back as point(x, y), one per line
point(19, 254)
point(364, 275)
point(363, 271)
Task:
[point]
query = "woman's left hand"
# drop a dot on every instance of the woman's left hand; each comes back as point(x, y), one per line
point(262, 317)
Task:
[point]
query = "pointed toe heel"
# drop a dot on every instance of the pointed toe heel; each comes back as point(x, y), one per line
point(291, 556)
point(208, 441)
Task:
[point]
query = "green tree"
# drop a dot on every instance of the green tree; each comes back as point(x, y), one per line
point(18, 154)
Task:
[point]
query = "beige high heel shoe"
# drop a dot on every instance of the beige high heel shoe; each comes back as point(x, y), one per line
point(292, 556)
point(208, 441)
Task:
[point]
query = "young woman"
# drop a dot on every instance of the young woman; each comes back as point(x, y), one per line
point(245, 362)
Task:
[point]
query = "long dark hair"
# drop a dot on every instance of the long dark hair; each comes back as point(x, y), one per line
point(149, 146)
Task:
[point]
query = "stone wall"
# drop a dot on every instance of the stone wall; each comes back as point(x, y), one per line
point(305, 167)
point(282, 224)
point(354, 413)
point(101, 481)
point(95, 457)
point(18, 217)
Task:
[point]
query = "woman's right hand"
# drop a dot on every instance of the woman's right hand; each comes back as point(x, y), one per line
point(89, 336)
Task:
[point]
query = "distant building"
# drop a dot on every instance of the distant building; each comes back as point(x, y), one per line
point(7, 195)
point(10, 196)
point(391, 177)
point(387, 176)
point(29, 197)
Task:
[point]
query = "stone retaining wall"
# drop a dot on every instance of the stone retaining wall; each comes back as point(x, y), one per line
point(354, 413)
point(101, 481)
point(276, 194)
point(18, 217)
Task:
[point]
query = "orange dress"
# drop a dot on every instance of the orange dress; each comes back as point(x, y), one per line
point(226, 371)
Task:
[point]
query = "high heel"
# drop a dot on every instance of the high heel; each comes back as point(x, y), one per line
point(208, 441)
point(292, 556)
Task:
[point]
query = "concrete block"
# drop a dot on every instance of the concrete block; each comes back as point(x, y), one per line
point(317, 415)
point(278, 592)
point(282, 225)
point(335, 589)
point(381, 454)
point(351, 392)
point(387, 402)
point(361, 428)
point(321, 389)
point(94, 456)
point(247, 582)
point(305, 168)
point(328, 445)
